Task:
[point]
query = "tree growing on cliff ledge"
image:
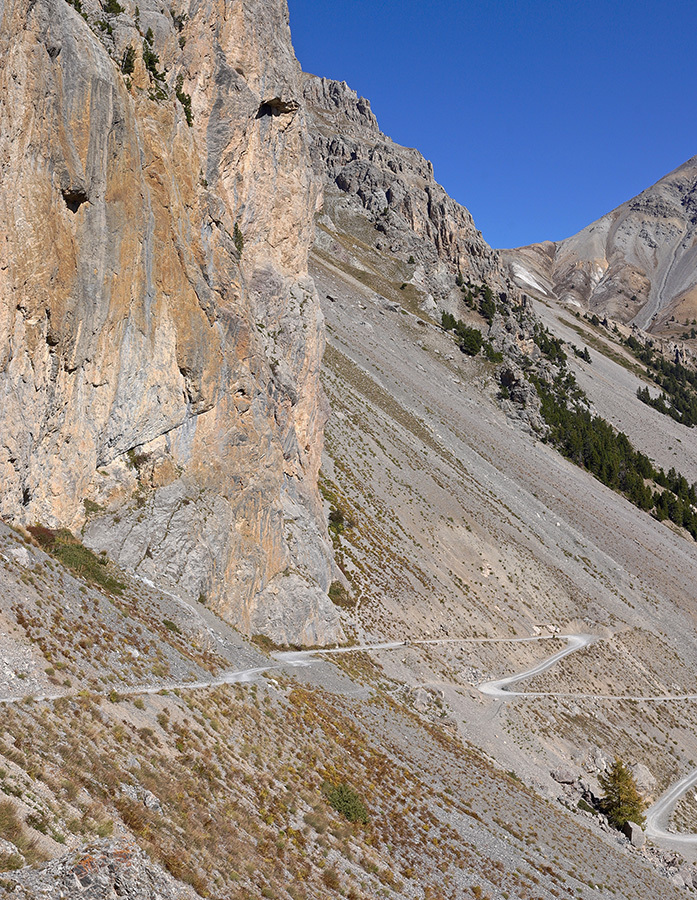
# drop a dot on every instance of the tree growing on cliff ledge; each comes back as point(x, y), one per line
point(622, 802)
point(238, 238)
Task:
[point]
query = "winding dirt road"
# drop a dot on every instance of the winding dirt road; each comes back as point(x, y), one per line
point(657, 816)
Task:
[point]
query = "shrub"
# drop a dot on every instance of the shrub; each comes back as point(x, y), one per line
point(487, 305)
point(238, 238)
point(10, 861)
point(265, 643)
point(185, 100)
point(470, 340)
point(331, 879)
point(12, 830)
point(179, 20)
point(65, 547)
point(128, 63)
point(346, 801)
point(135, 816)
point(492, 355)
point(340, 596)
point(152, 60)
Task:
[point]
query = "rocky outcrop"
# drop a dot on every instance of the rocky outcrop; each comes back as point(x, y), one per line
point(392, 188)
point(101, 871)
point(636, 264)
point(160, 339)
point(387, 221)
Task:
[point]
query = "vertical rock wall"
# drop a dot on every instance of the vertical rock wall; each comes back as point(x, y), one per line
point(160, 339)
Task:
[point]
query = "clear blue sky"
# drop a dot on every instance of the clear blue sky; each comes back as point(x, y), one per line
point(538, 116)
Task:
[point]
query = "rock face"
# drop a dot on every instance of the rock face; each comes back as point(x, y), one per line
point(637, 264)
point(391, 188)
point(160, 339)
point(386, 222)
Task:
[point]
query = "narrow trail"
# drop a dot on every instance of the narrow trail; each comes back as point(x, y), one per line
point(657, 816)
point(499, 688)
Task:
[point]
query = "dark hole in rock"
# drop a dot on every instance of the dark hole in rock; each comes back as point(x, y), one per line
point(277, 107)
point(508, 378)
point(74, 199)
point(53, 52)
point(26, 497)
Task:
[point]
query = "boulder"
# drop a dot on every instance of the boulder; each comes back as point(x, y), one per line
point(422, 698)
point(635, 833)
point(151, 801)
point(645, 781)
point(563, 775)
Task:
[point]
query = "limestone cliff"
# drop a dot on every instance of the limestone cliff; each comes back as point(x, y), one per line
point(372, 181)
point(160, 339)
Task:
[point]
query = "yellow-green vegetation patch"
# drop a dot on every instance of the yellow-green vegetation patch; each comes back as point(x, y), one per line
point(67, 549)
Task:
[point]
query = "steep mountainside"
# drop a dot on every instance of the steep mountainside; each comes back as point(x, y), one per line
point(450, 524)
point(637, 264)
point(175, 199)
point(160, 340)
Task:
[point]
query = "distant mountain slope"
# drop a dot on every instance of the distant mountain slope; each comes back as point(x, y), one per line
point(637, 264)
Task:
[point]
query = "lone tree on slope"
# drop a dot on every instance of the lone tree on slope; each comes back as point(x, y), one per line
point(622, 802)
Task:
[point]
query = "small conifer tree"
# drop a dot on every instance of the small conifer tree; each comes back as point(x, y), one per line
point(238, 238)
point(622, 802)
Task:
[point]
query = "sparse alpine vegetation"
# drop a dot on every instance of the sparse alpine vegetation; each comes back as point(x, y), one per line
point(62, 544)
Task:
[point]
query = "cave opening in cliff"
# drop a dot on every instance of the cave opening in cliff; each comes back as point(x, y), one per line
point(74, 199)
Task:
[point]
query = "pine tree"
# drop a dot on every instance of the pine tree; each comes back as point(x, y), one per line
point(622, 802)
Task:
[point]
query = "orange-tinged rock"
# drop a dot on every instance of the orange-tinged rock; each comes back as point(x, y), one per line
point(145, 363)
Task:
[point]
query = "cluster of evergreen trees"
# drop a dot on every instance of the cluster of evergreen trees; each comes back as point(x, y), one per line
point(479, 297)
point(593, 444)
point(679, 384)
point(550, 346)
point(470, 339)
point(678, 401)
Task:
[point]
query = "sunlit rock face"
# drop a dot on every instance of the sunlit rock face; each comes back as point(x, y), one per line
point(160, 339)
